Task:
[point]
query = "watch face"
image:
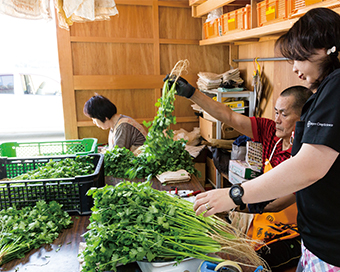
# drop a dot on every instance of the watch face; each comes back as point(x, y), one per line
point(236, 192)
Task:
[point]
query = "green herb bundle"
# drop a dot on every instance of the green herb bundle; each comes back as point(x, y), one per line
point(134, 222)
point(160, 153)
point(117, 161)
point(30, 227)
point(65, 168)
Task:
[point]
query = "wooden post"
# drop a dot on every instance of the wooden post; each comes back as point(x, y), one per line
point(233, 54)
point(67, 90)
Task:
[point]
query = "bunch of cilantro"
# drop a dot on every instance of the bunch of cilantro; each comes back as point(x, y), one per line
point(134, 222)
point(30, 227)
point(117, 161)
point(160, 153)
point(65, 168)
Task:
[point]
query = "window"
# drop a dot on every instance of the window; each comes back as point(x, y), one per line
point(6, 84)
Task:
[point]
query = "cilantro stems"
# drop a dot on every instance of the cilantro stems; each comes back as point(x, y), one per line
point(134, 222)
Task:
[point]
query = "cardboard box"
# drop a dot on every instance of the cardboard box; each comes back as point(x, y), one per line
point(208, 130)
point(243, 169)
point(229, 132)
point(235, 179)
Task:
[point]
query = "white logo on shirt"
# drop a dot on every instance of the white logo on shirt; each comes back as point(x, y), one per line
point(310, 124)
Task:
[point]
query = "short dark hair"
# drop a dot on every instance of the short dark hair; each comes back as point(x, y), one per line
point(99, 107)
point(301, 95)
point(319, 28)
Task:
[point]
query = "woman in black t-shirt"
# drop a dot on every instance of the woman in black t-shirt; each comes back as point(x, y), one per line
point(312, 44)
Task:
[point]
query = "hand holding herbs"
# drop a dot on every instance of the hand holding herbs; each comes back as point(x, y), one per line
point(134, 222)
point(30, 227)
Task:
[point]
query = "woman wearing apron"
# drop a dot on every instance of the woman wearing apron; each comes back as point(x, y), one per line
point(313, 172)
point(124, 131)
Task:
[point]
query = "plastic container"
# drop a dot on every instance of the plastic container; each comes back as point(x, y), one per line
point(212, 29)
point(300, 4)
point(236, 20)
point(70, 192)
point(187, 265)
point(210, 267)
point(30, 149)
point(271, 11)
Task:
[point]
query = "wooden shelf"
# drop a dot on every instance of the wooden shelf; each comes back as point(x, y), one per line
point(210, 5)
point(252, 34)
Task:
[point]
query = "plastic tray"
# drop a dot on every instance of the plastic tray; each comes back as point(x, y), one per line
point(70, 192)
point(28, 149)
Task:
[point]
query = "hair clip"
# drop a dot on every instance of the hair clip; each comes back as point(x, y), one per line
point(331, 50)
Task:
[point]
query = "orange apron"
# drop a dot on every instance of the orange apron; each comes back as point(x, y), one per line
point(275, 226)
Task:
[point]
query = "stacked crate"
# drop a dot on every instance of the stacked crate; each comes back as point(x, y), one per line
point(236, 20)
point(272, 11)
point(212, 29)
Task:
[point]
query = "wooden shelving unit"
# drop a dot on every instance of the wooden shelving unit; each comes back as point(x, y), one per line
point(255, 33)
point(251, 35)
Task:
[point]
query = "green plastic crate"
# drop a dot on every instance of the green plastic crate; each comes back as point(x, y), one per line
point(54, 148)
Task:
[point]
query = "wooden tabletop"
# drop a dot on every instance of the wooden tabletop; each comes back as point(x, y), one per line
point(61, 256)
point(193, 184)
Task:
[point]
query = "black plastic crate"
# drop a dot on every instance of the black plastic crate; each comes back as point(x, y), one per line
point(70, 192)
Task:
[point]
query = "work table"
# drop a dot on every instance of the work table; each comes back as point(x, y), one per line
point(61, 256)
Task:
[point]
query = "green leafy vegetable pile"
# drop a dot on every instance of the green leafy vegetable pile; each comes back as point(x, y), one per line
point(117, 161)
point(66, 168)
point(30, 227)
point(160, 153)
point(134, 222)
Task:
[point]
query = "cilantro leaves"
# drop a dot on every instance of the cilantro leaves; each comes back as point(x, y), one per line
point(30, 227)
point(134, 222)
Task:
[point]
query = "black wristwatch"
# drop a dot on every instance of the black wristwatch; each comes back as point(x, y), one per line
point(236, 192)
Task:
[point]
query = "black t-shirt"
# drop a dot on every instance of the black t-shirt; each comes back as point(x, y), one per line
point(319, 204)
